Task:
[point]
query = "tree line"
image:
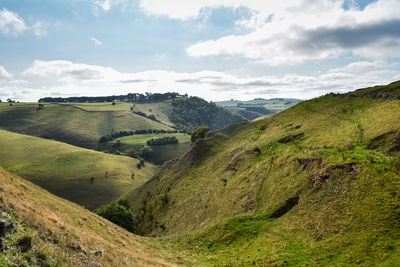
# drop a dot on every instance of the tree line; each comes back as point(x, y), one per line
point(115, 135)
point(131, 97)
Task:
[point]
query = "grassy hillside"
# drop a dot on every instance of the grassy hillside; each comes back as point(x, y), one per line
point(84, 124)
point(317, 184)
point(259, 107)
point(134, 144)
point(84, 176)
point(50, 231)
point(75, 123)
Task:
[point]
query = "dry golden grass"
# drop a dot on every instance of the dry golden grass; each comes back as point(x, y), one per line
point(78, 231)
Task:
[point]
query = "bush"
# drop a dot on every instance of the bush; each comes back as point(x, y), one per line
point(118, 213)
point(199, 133)
point(104, 139)
point(163, 141)
point(146, 152)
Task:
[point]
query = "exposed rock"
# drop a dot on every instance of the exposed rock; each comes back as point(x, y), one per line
point(4, 215)
point(95, 264)
point(6, 227)
point(98, 252)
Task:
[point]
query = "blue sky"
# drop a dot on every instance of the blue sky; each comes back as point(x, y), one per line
point(215, 49)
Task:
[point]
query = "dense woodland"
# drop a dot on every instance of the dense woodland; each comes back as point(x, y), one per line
point(191, 113)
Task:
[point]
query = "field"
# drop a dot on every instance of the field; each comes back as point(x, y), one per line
point(316, 184)
point(76, 124)
point(141, 139)
point(133, 144)
point(161, 110)
point(84, 176)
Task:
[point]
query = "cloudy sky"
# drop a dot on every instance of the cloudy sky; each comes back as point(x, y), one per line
point(215, 49)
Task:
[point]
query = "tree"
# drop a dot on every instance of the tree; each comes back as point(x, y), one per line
point(199, 133)
point(118, 213)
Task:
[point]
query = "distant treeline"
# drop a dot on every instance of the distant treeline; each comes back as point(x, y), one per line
point(115, 135)
point(131, 97)
point(163, 141)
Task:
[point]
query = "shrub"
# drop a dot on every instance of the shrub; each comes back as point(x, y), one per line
point(199, 133)
point(118, 213)
point(162, 141)
point(104, 139)
point(146, 152)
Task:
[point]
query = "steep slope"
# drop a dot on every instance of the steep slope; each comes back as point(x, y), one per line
point(50, 231)
point(316, 184)
point(84, 176)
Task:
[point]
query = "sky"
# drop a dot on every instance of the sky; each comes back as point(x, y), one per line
point(214, 49)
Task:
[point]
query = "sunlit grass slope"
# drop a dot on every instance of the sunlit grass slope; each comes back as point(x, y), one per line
point(65, 234)
point(317, 184)
point(75, 123)
point(160, 154)
point(84, 176)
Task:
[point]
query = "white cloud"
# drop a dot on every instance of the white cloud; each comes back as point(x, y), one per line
point(96, 41)
point(11, 23)
point(67, 71)
point(65, 78)
point(292, 32)
point(4, 74)
point(188, 9)
point(103, 4)
point(39, 29)
point(106, 5)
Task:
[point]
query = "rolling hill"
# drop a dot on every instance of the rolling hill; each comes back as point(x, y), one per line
point(87, 177)
point(84, 124)
point(50, 231)
point(259, 107)
point(317, 184)
point(77, 124)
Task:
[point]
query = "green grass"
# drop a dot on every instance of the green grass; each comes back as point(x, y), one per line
point(161, 110)
point(219, 201)
point(141, 139)
point(67, 171)
point(80, 124)
point(128, 145)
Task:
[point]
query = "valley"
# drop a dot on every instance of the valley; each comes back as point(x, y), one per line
point(316, 184)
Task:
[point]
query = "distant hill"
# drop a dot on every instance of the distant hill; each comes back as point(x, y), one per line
point(87, 177)
point(50, 231)
point(316, 184)
point(258, 107)
point(84, 124)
